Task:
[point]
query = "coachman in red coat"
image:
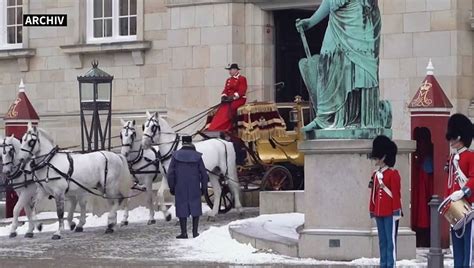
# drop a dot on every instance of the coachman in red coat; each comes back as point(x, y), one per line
point(233, 96)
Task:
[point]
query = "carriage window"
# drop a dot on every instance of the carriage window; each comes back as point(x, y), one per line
point(11, 27)
point(111, 20)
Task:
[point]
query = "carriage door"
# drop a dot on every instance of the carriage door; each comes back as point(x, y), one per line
point(289, 50)
point(422, 185)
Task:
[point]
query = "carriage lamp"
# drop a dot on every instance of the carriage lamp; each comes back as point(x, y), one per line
point(95, 95)
point(295, 112)
point(294, 118)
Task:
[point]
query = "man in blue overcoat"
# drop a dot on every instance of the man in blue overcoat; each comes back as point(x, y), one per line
point(187, 178)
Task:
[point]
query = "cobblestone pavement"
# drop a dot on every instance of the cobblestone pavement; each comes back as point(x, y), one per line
point(136, 245)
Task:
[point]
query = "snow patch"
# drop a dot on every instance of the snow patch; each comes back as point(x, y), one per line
point(216, 245)
point(139, 214)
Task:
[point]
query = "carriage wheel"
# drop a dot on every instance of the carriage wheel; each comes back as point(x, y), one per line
point(226, 199)
point(277, 178)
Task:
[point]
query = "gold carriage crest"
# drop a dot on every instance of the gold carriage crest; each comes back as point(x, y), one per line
point(422, 99)
point(12, 112)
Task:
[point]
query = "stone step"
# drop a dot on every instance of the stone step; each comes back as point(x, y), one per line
point(255, 234)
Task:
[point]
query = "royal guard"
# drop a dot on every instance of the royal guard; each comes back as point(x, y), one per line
point(385, 198)
point(233, 96)
point(461, 182)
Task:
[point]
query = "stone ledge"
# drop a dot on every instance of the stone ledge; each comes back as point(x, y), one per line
point(264, 4)
point(349, 146)
point(22, 56)
point(137, 49)
point(259, 238)
point(277, 202)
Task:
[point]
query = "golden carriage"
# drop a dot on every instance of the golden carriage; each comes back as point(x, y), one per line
point(266, 139)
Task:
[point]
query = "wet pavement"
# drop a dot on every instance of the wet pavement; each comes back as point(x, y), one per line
point(135, 245)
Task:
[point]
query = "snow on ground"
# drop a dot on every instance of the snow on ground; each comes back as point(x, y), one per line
point(280, 224)
point(139, 214)
point(216, 245)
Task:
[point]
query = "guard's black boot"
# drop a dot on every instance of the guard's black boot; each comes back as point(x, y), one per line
point(184, 232)
point(195, 226)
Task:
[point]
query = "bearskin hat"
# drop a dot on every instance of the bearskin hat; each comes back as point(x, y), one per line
point(460, 127)
point(382, 147)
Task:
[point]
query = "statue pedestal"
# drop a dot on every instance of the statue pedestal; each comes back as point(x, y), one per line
point(356, 133)
point(337, 223)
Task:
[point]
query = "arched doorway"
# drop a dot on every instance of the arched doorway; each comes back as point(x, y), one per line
point(289, 50)
point(422, 185)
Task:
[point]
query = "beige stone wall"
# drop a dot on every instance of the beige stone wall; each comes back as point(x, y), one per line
point(51, 82)
point(203, 39)
point(415, 31)
point(192, 41)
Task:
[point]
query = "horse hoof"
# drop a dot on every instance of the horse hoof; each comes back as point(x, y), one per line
point(79, 229)
point(39, 227)
point(109, 230)
point(150, 222)
point(211, 219)
point(29, 235)
point(72, 226)
point(12, 235)
point(168, 218)
point(56, 237)
point(124, 223)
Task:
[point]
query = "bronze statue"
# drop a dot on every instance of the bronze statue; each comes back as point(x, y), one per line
point(345, 91)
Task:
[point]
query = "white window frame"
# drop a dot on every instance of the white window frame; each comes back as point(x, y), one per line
point(3, 28)
point(115, 25)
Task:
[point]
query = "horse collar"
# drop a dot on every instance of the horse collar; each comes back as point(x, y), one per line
point(138, 158)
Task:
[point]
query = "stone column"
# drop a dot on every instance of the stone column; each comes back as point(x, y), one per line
point(337, 223)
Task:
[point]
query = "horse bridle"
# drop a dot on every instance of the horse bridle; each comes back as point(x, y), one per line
point(31, 143)
point(10, 153)
point(134, 134)
point(154, 128)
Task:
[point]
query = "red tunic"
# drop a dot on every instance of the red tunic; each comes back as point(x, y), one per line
point(381, 204)
point(466, 164)
point(236, 87)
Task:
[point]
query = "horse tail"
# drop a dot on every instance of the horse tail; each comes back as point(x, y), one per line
point(231, 161)
point(125, 177)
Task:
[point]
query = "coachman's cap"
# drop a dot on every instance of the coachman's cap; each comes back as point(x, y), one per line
point(232, 66)
point(187, 139)
point(383, 146)
point(460, 127)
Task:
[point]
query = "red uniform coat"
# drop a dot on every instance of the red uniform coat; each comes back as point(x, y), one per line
point(236, 87)
point(381, 204)
point(466, 164)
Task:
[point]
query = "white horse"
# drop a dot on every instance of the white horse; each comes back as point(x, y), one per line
point(145, 163)
point(218, 156)
point(23, 185)
point(76, 174)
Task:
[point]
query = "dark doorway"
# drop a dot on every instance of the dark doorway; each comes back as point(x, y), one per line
point(422, 185)
point(289, 50)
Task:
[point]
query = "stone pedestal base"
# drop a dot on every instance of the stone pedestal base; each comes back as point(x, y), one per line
point(337, 223)
point(347, 245)
point(365, 133)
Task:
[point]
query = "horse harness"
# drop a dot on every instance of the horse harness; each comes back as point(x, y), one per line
point(150, 162)
point(46, 163)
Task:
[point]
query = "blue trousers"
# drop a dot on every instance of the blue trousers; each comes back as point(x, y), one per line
point(462, 247)
point(388, 229)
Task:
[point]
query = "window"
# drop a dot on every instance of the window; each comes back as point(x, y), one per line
point(111, 20)
point(11, 20)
